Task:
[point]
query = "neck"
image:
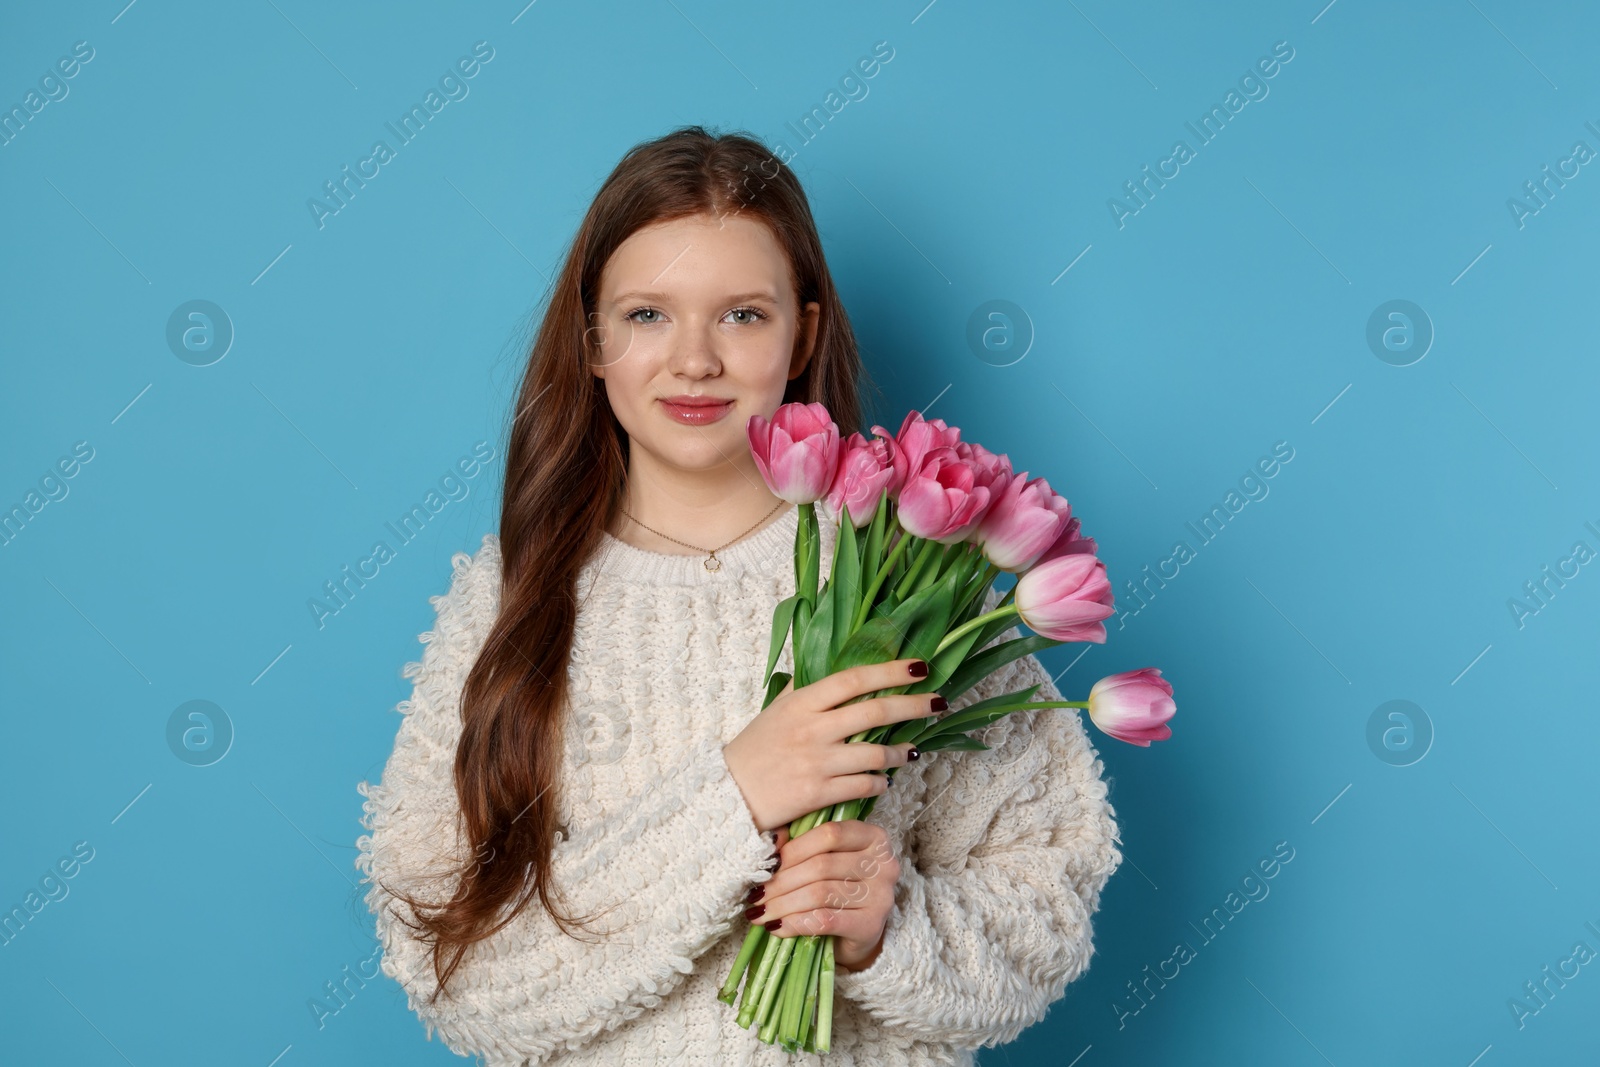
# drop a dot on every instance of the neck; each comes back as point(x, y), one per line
point(706, 509)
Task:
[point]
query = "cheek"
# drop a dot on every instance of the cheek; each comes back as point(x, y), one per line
point(634, 373)
point(761, 366)
point(622, 390)
point(620, 346)
point(626, 405)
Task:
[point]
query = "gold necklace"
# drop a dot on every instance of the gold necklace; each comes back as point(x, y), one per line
point(712, 563)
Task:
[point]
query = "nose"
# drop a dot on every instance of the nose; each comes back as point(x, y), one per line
point(694, 350)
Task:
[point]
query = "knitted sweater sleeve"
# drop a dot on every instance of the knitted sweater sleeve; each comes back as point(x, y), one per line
point(673, 868)
point(1001, 874)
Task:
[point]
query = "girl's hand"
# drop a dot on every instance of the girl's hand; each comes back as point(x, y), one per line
point(795, 757)
point(837, 878)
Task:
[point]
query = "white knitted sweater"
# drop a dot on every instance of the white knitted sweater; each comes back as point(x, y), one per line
point(1003, 853)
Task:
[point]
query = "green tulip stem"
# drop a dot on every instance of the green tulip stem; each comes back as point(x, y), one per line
point(797, 978)
point(766, 1022)
point(980, 583)
point(806, 822)
point(801, 541)
point(908, 584)
point(808, 1010)
point(1031, 705)
point(824, 1036)
point(750, 1000)
point(752, 944)
point(967, 627)
point(884, 571)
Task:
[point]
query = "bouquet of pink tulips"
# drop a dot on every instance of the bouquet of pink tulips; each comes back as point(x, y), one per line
point(926, 523)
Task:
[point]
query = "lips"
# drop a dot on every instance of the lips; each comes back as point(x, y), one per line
point(696, 410)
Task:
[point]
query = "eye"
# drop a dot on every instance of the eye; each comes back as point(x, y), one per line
point(630, 315)
point(756, 314)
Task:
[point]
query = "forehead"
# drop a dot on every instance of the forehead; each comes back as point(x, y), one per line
point(698, 257)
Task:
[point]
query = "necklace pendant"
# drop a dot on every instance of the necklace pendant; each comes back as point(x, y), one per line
point(713, 563)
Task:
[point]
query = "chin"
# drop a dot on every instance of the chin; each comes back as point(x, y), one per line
point(706, 453)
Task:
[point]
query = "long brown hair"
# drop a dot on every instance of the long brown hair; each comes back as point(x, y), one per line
point(566, 462)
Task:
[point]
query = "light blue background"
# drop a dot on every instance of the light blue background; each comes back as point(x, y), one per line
point(1228, 315)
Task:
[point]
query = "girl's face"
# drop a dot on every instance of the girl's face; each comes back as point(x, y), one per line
point(699, 309)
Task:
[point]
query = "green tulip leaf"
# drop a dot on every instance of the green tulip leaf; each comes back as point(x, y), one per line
point(878, 641)
point(811, 643)
point(926, 618)
point(946, 663)
point(872, 554)
point(989, 660)
point(782, 619)
point(976, 716)
point(774, 687)
point(908, 730)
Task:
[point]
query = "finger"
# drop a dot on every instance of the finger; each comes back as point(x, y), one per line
point(881, 711)
point(845, 787)
point(850, 924)
point(783, 837)
point(826, 867)
point(820, 907)
point(845, 835)
point(841, 687)
point(859, 756)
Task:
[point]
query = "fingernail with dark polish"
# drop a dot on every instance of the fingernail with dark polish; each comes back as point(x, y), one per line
point(914, 754)
point(939, 703)
point(772, 927)
point(754, 894)
point(919, 668)
point(755, 913)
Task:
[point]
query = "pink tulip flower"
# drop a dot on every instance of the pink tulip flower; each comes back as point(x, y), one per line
point(866, 472)
point(942, 501)
point(1070, 541)
point(1066, 598)
point(1133, 706)
point(1024, 519)
point(990, 466)
point(918, 437)
point(797, 452)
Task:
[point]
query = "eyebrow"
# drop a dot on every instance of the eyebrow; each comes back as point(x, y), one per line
point(738, 298)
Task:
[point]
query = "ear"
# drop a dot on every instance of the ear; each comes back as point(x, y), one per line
point(806, 339)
